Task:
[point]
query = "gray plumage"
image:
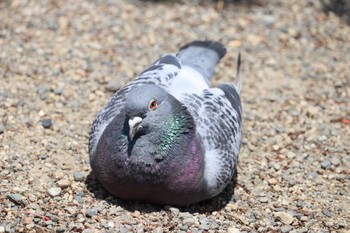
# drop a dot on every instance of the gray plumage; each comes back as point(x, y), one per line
point(167, 137)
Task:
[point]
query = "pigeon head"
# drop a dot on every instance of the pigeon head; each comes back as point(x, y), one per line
point(156, 125)
point(144, 105)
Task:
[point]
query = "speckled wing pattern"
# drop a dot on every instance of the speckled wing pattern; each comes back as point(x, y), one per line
point(217, 113)
point(160, 72)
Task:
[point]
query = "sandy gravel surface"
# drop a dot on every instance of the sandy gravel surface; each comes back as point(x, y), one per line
point(60, 61)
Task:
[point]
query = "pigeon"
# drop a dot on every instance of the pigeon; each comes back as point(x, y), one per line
point(168, 137)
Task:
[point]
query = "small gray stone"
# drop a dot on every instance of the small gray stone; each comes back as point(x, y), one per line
point(327, 213)
point(91, 212)
point(233, 230)
point(47, 123)
point(52, 23)
point(42, 90)
point(89, 231)
point(284, 217)
point(294, 112)
point(54, 191)
point(291, 154)
point(59, 90)
point(64, 183)
point(204, 227)
point(79, 196)
point(268, 20)
point(42, 156)
point(113, 85)
point(299, 204)
point(280, 129)
point(263, 199)
point(276, 166)
point(325, 164)
point(286, 229)
point(188, 221)
point(175, 211)
point(8, 228)
point(141, 230)
point(15, 198)
point(335, 161)
point(158, 230)
point(313, 175)
point(78, 176)
point(214, 225)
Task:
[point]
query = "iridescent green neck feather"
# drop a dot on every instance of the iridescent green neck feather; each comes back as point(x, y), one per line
point(172, 130)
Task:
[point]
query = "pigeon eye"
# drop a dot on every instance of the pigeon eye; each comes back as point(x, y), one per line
point(152, 105)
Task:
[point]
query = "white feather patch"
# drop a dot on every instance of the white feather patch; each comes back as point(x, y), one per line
point(188, 81)
point(212, 167)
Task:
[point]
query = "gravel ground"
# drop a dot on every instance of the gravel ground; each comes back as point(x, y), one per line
point(60, 61)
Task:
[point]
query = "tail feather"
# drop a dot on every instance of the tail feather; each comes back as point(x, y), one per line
point(202, 56)
point(239, 79)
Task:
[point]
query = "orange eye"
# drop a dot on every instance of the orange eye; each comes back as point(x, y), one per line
point(152, 104)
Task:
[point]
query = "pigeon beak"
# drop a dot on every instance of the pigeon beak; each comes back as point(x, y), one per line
point(134, 126)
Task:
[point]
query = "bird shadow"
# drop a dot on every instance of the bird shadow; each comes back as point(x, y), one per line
point(204, 207)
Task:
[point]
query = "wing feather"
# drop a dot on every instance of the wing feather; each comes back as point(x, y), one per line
point(217, 114)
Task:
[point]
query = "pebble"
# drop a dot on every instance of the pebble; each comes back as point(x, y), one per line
point(2, 229)
point(272, 181)
point(42, 90)
point(325, 164)
point(54, 191)
point(58, 174)
point(327, 213)
point(233, 230)
point(78, 176)
point(64, 183)
point(79, 196)
point(136, 214)
point(204, 227)
point(47, 123)
point(58, 90)
point(188, 221)
point(286, 228)
point(174, 211)
point(214, 225)
point(158, 230)
point(291, 154)
point(335, 161)
point(276, 166)
point(27, 220)
point(204, 223)
point(113, 85)
point(91, 212)
point(15, 198)
point(141, 230)
point(263, 199)
point(284, 217)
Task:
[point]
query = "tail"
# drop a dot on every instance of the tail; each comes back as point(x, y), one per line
point(239, 78)
point(202, 56)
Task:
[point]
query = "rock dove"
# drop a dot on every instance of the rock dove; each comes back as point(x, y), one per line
point(167, 137)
